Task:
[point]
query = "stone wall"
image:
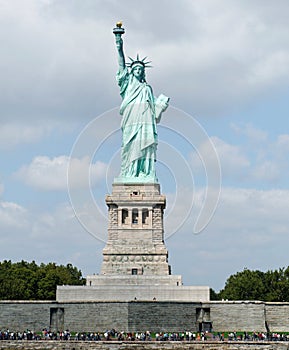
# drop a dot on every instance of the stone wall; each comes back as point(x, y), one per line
point(138, 315)
point(237, 315)
point(130, 316)
point(100, 316)
point(95, 316)
point(162, 316)
point(249, 316)
point(128, 293)
point(277, 317)
point(20, 315)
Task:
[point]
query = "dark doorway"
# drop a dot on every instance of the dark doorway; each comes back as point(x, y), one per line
point(56, 319)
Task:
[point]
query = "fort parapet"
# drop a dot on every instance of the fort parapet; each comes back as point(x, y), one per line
point(137, 316)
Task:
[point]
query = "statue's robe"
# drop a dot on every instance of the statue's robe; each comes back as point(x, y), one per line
point(139, 140)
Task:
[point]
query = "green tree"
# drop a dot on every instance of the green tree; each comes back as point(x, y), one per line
point(214, 295)
point(28, 281)
point(245, 285)
point(257, 285)
point(277, 283)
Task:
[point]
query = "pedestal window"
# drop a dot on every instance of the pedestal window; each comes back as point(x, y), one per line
point(134, 216)
point(145, 217)
point(124, 216)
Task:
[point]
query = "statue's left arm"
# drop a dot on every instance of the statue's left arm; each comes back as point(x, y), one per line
point(161, 104)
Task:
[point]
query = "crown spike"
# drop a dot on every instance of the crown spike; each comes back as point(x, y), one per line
point(139, 61)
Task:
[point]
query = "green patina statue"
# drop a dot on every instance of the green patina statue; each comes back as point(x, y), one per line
point(140, 111)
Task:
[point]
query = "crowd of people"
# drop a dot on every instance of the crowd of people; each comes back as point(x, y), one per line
point(25, 335)
point(258, 336)
point(112, 334)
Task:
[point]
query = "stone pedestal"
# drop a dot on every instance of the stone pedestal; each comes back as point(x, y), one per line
point(135, 260)
point(135, 244)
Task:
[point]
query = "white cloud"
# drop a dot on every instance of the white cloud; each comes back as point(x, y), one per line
point(253, 201)
point(239, 210)
point(272, 69)
point(59, 62)
point(12, 134)
point(249, 229)
point(283, 143)
point(46, 173)
point(52, 62)
point(233, 159)
point(232, 54)
point(256, 161)
point(59, 229)
point(82, 173)
point(57, 46)
point(47, 236)
point(267, 170)
point(12, 215)
point(253, 134)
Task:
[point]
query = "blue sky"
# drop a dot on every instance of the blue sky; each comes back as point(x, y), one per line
point(225, 67)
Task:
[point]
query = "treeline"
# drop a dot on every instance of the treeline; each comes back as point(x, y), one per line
point(29, 281)
point(256, 285)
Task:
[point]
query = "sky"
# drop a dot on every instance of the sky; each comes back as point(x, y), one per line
point(223, 142)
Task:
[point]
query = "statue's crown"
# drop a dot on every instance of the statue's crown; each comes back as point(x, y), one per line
point(138, 62)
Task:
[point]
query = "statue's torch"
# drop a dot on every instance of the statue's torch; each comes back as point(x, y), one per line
point(118, 31)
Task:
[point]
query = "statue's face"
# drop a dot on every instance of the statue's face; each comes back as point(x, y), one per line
point(138, 72)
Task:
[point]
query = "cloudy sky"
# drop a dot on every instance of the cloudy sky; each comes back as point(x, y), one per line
point(225, 66)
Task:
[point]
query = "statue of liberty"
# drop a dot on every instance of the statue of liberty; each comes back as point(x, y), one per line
point(140, 111)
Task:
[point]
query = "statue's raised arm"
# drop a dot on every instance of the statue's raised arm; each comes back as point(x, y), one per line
point(118, 31)
point(140, 111)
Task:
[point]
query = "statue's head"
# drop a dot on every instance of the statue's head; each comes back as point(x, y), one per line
point(138, 67)
point(138, 71)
